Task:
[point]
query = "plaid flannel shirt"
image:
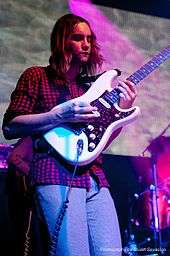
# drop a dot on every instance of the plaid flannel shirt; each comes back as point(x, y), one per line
point(38, 90)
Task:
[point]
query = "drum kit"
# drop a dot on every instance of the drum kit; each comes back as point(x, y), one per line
point(149, 210)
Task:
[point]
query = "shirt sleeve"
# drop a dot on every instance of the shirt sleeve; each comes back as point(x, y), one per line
point(25, 95)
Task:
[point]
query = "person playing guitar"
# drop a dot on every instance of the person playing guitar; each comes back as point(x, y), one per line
point(49, 97)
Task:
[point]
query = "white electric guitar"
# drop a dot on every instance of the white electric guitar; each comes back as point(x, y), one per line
point(94, 137)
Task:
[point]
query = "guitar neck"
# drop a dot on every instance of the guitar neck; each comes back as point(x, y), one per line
point(113, 96)
point(150, 66)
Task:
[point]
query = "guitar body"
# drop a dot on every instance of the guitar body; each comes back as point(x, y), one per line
point(94, 135)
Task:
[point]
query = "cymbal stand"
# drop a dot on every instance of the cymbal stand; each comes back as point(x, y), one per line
point(155, 221)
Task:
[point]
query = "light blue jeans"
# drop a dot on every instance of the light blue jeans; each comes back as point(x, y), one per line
point(90, 225)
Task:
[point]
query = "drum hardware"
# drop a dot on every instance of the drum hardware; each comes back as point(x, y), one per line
point(136, 242)
point(155, 149)
point(134, 247)
point(139, 234)
point(131, 248)
point(154, 221)
point(153, 196)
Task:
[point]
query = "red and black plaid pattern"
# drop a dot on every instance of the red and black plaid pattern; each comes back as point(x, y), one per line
point(38, 90)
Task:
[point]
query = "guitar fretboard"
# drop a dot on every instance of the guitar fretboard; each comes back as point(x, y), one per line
point(150, 66)
point(140, 74)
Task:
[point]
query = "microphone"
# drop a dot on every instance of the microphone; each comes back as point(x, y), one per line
point(80, 146)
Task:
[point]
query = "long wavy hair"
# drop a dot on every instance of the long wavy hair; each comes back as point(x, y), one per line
point(59, 54)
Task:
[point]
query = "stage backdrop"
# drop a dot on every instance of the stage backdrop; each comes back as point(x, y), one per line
point(128, 39)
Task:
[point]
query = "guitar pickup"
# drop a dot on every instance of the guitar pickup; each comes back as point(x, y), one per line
point(104, 103)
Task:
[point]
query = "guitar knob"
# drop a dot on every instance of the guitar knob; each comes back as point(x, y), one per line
point(90, 127)
point(92, 146)
point(92, 136)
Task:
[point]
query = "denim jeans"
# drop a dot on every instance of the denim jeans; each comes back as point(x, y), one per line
point(90, 225)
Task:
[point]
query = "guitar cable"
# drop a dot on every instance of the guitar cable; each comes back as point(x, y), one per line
point(27, 242)
point(55, 235)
